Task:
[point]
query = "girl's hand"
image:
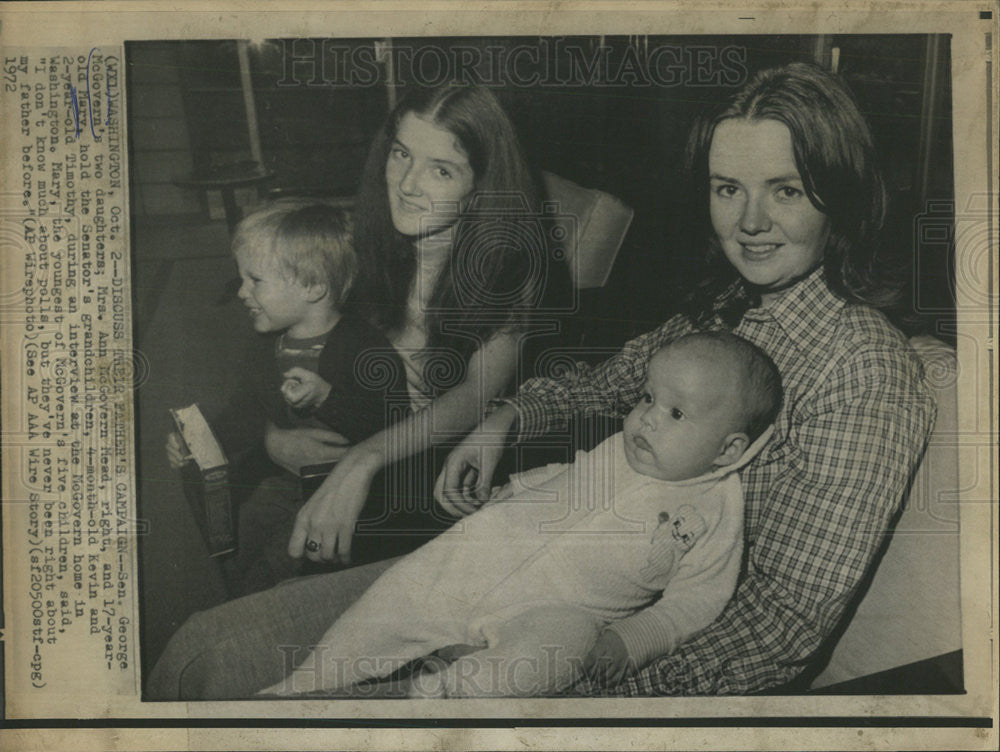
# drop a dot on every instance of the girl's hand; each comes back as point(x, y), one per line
point(324, 526)
point(304, 389)
point(295, 448)
point(177, 452)
point(465, 482)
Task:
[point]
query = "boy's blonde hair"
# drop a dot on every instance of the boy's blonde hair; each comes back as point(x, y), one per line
point(310, 242)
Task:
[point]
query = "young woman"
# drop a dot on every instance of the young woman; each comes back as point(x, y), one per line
point(792, 204)
point(451, 261)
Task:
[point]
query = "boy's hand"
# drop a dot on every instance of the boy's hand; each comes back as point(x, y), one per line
point(607, 663)
point(177, 453)
point(304, 389)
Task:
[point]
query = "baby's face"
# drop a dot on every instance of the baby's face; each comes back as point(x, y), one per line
point(687, 411)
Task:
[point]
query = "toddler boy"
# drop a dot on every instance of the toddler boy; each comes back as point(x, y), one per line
point(296, 262)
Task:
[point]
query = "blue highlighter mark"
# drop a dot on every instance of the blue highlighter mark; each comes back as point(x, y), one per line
point(90, 104)
point(76, 109)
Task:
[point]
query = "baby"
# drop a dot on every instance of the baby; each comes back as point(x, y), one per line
point(599, 566)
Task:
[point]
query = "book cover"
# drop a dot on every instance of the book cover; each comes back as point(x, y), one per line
point(206, 480)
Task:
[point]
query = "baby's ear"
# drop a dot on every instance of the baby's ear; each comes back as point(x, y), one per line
point(733, 447)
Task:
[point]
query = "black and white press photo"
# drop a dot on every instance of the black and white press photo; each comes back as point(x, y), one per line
point(581, 366)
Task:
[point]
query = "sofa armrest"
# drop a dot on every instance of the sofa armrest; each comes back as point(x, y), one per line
point(911, 610)
point(591, 223)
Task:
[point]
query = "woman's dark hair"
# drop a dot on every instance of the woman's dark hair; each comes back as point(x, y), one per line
point(835, 155)
point(494, 275)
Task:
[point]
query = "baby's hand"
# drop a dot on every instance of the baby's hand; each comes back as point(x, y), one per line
point(607, 662)
point(304, 389)
point(177, 454)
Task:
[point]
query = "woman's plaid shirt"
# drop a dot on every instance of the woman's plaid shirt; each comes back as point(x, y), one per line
point(819, 499)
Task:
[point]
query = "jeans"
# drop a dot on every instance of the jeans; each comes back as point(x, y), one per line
point(240, 647)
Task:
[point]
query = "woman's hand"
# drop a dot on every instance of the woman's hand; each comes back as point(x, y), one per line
point(304, 389)
point(465, 482)
point(295, 448)
point(325, 524)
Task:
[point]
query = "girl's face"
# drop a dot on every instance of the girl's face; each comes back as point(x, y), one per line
point(427, 176)
point(767, 226)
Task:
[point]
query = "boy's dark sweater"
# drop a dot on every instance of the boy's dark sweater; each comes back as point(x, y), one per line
point(367, 391)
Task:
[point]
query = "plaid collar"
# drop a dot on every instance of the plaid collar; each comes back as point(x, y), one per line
point(807, 312)
point(729, 306)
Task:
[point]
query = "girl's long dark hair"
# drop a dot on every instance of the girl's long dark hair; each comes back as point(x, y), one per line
point(835, 155)
point(497, 269)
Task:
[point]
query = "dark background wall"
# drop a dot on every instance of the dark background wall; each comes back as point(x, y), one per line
point(187, 115)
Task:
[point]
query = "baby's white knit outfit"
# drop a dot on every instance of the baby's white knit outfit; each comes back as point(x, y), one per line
point(536, 574)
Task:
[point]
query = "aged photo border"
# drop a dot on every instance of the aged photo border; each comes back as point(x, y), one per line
point(78, 25)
